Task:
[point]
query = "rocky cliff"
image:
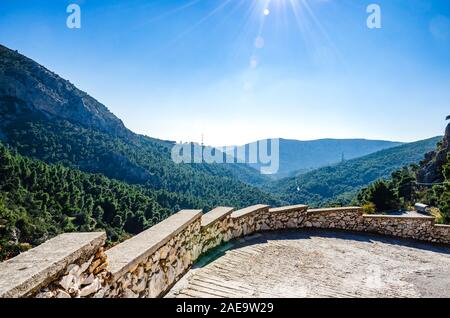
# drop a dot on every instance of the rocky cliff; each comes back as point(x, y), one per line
point(431, 167)
point(27, 86)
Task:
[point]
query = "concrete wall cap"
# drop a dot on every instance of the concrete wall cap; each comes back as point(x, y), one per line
point(290, 208)
point(34, 269)
point(398, 217)
point(444, 226)
point(215, 215)
point(340, 209)
point(249, 210)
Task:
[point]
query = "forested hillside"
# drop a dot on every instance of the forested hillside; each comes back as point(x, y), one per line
point(47, 118)
point(68, 164)
point(39, 201)
point(339, 184)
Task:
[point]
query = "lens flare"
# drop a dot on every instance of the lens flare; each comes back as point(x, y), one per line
point(256, 20)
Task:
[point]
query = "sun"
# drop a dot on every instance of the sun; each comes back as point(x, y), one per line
point(258, 17)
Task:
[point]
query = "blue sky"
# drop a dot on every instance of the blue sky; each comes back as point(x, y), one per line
point(177, 69)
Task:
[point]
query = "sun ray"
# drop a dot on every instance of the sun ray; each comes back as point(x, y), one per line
point(314, 34)
point(199, 22)
point(317, 43)
point(322, 29)
point(170, 12)
point(246, 27)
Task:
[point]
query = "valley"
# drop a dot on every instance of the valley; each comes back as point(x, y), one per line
point(68, 164)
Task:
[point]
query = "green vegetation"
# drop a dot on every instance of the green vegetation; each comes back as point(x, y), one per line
point(138, 160)
point(39, 201)
point(338, 185)
point(403, 189)
point(380, 196)
point(82, 169)
point(68, 164)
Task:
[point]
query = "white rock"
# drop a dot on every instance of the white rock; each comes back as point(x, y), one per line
point(70, 267)
point(90, 289)
point(170, 275)
point(245, 229)
point(100, 293)
point(62, 294)
point(196, 251)
point(87, 280)
point(67, 282)
point(74, 270)
point(85, 266)
point(265, 227)
point(46, 294)
point(140, 286)
point(291, 224)
point(156, 284)
point(179, 268)
point(129, 294)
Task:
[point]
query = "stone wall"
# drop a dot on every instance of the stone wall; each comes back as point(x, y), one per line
point(147, 265)
point(247, 221)
point(217, 228)
point(441, 234)
point(349, 218)
point(289, 217)
point(80, 279)
point(420, 228)
point(61, 267)
point(352, 218)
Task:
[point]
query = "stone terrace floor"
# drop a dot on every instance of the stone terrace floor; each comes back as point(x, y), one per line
point(316, 263)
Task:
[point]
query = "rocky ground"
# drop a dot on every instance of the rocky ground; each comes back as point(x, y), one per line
point(314, 263)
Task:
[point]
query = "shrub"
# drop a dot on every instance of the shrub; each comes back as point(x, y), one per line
point(369, 208)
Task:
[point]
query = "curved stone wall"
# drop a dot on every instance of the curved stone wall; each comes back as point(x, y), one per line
point(148, 264)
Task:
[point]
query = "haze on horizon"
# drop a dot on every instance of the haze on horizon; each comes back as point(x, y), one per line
point(237, 71)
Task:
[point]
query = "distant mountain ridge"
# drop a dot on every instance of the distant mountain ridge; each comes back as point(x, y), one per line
point(297, 156)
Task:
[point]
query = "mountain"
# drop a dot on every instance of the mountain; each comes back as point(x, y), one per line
point(45, 117)
point(342, 181)
point(39, 201)
point(24, 81)
point(302, 156)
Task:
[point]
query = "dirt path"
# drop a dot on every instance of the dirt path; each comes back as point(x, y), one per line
point(320, 264)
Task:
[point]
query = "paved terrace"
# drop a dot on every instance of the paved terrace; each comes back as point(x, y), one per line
point(319, 263)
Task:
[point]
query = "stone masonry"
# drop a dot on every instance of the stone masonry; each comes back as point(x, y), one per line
point(75, 265)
